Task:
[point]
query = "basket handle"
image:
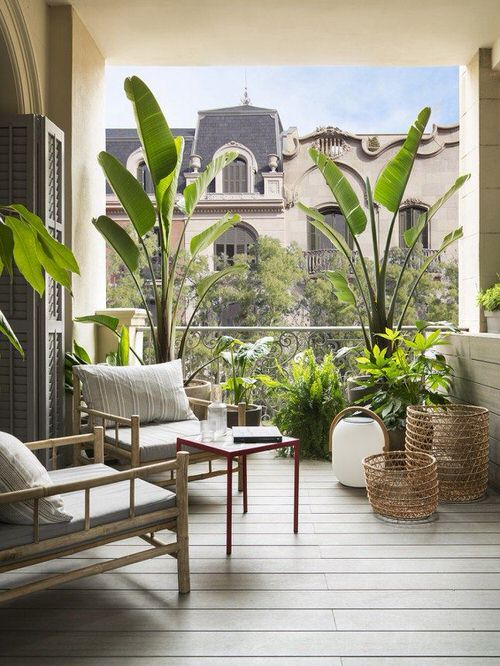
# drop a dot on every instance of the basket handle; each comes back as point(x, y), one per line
point(368, 412)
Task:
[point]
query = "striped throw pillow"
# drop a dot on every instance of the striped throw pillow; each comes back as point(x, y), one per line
point(153, 392)
point(20, 469)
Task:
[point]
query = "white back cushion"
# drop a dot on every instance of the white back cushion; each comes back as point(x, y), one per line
point(21, 469)
point(153, 392)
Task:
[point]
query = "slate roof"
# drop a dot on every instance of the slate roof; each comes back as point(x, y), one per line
point(257, 128)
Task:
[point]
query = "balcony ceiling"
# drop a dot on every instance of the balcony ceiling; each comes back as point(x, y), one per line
point(290, 32)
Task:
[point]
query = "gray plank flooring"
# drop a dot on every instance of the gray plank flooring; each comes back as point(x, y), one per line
point(348, 590)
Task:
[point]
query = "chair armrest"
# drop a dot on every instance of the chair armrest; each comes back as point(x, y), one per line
point(95, 438)
point(122, 420)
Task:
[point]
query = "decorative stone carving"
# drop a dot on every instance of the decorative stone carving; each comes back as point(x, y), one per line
point(331, 141)
point(273, 161)
point(413, 201)
point(290, 146)
point(195, 162)
point(373, 143)
point(290, 197)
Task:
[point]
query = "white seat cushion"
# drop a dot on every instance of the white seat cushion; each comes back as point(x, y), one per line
point(20, 469)
point(155, 393)
point(158, 441)
point(107, 504)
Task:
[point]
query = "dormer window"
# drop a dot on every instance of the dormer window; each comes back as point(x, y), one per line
point(144, 177)
point(235, 177)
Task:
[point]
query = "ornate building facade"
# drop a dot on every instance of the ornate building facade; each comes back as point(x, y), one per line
point(274, 171)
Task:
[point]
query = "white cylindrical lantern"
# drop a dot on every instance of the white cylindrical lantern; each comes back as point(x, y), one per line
point(352, 438)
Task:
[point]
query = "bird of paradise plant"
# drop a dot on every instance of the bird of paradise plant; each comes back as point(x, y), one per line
point(376, 307)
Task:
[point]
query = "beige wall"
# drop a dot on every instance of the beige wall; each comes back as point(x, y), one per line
point(476, 362)
point(479, 251)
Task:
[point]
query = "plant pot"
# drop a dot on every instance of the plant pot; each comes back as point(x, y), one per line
point(356, 393)
point(397, 439)
point(253, 416)
point(492, 321)
point(198, 388)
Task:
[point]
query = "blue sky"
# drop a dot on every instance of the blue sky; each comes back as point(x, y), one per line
point(356, 99)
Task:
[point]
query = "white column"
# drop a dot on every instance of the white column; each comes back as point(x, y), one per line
point(479, 205)
point(106, 342)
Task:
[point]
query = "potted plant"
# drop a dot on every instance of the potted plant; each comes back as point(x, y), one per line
point(415, 373)
point(163, 154)
point(309, 395)
point(364, 289)
point(489, 300)
point(241, 359)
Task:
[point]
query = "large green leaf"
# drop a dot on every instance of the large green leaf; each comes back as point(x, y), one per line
point(5, 329)
point(341, 189)
point(318, 221)
point(82, 353)
point(123, 353)
point(341, 286)
point(168, 200)
point(101, 320)
point(136, 203)
point(208, 236)
point(412, 235)
point(391, 183)
point(195, 190)
point(119, 240)
point(49, 262)
point(61, 253)
point(156, 138)
point(6, 247)
point(25, 253)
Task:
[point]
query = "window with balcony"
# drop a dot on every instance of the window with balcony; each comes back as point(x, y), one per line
point(335, 220)
point(407, 219)
point(237, 240)
point(235, 177)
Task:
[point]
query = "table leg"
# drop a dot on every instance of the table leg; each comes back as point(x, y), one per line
point(243, 461)
point(229, 506)
point(296, 459)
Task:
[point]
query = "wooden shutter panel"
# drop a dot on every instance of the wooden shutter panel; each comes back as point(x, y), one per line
point(31, 390)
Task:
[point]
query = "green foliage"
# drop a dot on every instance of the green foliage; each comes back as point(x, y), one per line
point(408, 371)
point(163, 153)
point(489, 299)
point(379, 305)
point(309, 396)
point(26, 244)
point(241, 358)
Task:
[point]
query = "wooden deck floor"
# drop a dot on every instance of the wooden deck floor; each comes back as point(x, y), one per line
point(347, 590)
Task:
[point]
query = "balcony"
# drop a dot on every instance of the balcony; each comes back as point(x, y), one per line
point(318, 261)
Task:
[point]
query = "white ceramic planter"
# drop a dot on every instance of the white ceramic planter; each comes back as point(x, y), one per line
point(352, 438)
point(492, 321)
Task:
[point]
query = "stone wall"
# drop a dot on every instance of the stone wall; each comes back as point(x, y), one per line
point(476, 361)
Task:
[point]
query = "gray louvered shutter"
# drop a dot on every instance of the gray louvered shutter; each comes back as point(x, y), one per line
point(31, 390)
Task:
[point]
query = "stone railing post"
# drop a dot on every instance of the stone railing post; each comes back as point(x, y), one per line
point(107, 342)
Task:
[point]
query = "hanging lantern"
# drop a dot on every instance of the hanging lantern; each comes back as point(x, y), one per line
point(356, 432)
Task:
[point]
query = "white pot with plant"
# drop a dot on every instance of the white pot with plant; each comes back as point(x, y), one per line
point(489, 300)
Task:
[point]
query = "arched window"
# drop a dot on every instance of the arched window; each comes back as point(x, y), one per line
point(407, 219)
point(144, 177)
point(235, 176)
point(335, 220)
point(237, 240)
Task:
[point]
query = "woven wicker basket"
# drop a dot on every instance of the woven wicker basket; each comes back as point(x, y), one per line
point(457, 436)
point(402, 486)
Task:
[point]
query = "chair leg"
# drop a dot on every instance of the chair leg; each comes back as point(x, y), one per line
point(182, 523)
point(240, 475)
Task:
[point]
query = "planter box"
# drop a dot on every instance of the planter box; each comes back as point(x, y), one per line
point(492, 321)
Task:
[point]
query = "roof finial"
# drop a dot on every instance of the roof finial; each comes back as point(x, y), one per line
point(245, 100)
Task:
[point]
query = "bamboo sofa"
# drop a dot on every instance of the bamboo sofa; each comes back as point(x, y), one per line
point(106, 506)
point(136, 443)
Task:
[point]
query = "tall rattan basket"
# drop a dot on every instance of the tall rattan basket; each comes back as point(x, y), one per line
point(457, 435)
point(402, 486)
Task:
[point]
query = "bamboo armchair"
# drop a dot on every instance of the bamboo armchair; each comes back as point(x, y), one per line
point(132, 454)
point(139, 523)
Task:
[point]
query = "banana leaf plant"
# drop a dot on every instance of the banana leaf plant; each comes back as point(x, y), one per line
point(366, 289)
point(163, 155)
point(27, 245)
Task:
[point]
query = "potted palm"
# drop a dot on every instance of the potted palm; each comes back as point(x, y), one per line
point(362, 287)
point(489, 300)
point(163, 154)
point(240, 359)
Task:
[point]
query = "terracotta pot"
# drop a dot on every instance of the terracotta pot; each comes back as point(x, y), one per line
point(199, 388)
point(253, 416)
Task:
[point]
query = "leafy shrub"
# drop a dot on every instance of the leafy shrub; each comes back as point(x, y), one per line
point(489, 299)
point(309, 396)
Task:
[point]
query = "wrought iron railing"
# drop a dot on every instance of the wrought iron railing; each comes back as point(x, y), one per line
point(321, 260)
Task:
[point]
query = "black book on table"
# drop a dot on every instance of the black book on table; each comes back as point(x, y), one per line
point(256, 434)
